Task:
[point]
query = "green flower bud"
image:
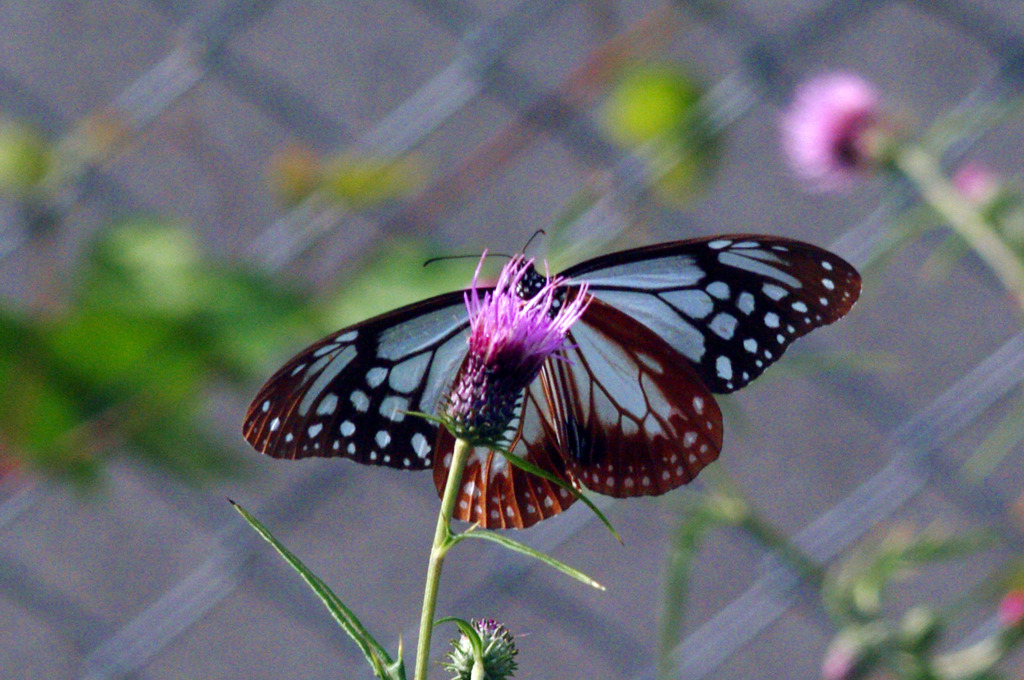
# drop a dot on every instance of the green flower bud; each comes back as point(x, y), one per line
point(499, 653)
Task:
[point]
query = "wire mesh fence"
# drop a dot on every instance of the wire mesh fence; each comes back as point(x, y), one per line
point(153, 578)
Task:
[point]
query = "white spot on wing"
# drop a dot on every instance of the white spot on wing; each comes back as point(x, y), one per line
point(326, 349)
point(407, 375)
point(393, 407)
point(327, 404)
point(360, 400)
point(375, 376)
point(723, 367)
point(745, 302)
point(723, 325)
point(695, 304)
point(718, 289)
point(420, 445)
point(749, 261)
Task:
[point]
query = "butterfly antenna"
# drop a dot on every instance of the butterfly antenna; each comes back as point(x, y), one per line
point(441, 258)
point(539, 232)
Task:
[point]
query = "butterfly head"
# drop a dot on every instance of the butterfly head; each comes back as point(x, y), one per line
point(531, 285)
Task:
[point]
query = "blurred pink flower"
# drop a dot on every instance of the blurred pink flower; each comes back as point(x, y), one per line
point(1011, 608)
point(823, 130)
point(976, 181)
point(840, 659)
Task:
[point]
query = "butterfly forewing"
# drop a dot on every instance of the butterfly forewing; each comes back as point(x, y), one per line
point(350, 394)
point(730, 304)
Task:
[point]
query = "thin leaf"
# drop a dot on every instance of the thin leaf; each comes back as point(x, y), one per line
point(471, 634)
point(518, 547)
point(375, 654)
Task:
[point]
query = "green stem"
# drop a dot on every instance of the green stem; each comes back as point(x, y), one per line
point(964, 218)
point(442, 542)
point(771, 538)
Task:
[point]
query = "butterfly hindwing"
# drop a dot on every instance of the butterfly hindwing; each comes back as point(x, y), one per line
point(729, 304)
point(628, 414)
point(349, 394)
point(495, 493)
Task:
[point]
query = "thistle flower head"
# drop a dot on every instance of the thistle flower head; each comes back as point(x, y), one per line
point(514, 328)
point(499, 653)
point(829, 130)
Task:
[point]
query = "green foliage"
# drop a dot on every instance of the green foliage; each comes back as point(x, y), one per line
point(700, 514)
point(516, 546)
point(357, 182)
point(125, 364)
point(907, 645)
point(24, 159)
point(655, 109)
point(649, 102)
point(855, 591)
point(395, 274)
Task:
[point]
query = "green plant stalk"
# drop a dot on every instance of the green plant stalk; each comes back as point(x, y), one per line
point(442, 542)
point(965, 219)
point(769, 536)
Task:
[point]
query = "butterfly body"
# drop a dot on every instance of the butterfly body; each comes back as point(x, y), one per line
point(626, 410)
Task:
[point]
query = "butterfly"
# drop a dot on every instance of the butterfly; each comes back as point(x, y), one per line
point(626, 410)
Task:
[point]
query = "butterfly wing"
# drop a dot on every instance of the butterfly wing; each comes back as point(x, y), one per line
point(350, 393)
point(495, 493)
point(628, 414)
point(729, 304)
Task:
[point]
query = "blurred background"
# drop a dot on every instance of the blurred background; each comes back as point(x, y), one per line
point(191, 192)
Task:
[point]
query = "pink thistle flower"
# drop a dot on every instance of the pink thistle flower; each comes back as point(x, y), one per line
point(826, 131)
point(1011, 608)
point(513, 330)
